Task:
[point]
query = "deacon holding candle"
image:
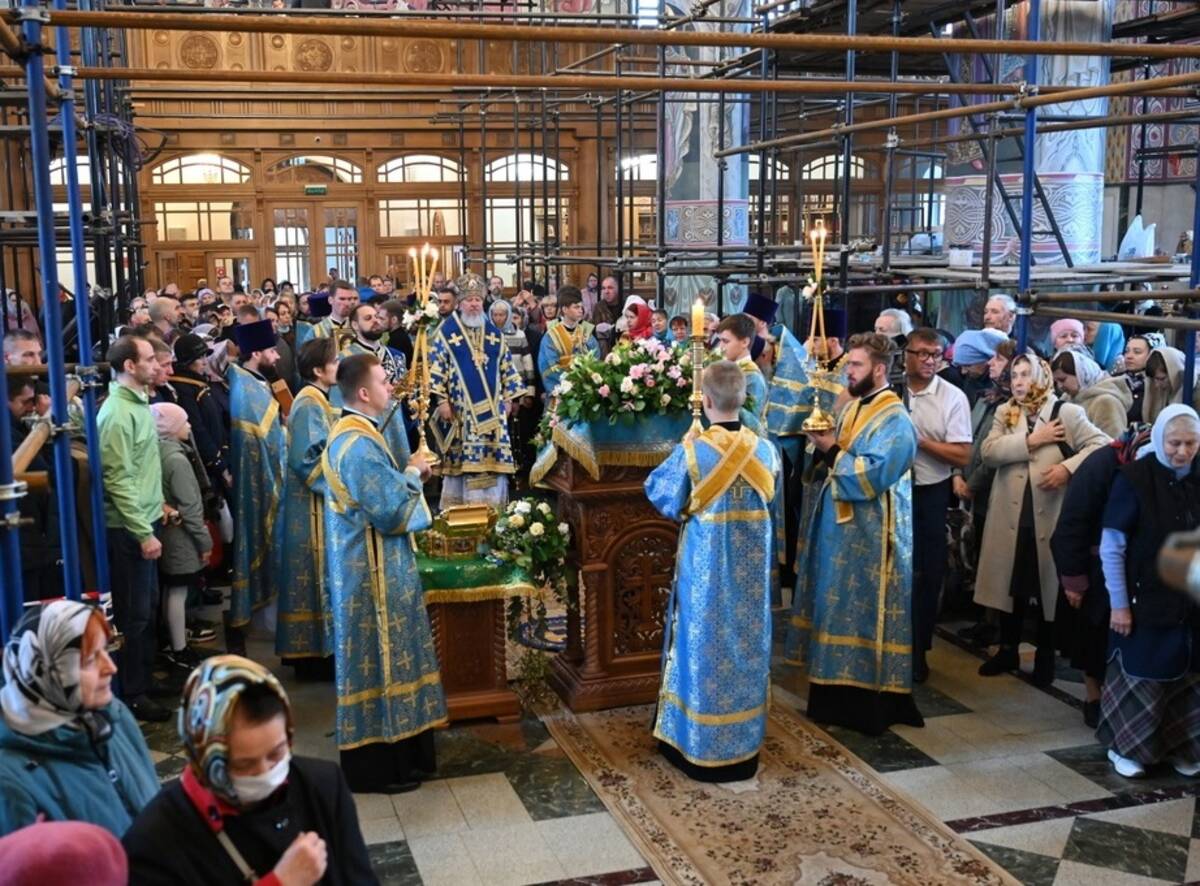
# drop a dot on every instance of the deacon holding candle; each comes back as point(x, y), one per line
point(724, 487)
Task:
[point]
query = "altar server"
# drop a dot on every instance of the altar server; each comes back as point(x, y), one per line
point(304, 630)
point(389, 690)
point(852, 613)
point(565, 337)
point(736, 339)
point(712, 703)
point(473, 378)
point(257, 453)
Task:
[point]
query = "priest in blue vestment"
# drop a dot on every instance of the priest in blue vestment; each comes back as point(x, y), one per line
point(473, 379)
point(851, 623)
point(304, 628)
point(713, 700)
point(257, 444)
point(389, 688)
point(564, 338)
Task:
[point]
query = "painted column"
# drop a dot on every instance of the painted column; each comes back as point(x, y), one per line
point(693, 174)
point(1069, 165)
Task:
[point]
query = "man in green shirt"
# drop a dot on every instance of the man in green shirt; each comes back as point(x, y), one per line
point(133, 509)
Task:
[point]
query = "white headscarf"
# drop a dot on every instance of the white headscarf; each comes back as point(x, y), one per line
point(41, 668)
point(1087, 370)
point(1158, 433)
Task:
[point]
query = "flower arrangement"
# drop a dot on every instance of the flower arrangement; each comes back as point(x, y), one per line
point(643, 377)
point(417, 317)
point(529, 535)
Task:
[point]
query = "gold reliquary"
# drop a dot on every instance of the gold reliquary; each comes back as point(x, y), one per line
point(458, 532)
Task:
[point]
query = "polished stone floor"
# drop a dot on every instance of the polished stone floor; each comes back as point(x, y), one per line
point(1010, 767)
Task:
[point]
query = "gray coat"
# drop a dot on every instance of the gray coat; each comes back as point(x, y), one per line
point(1006, 450)
point(186, 545)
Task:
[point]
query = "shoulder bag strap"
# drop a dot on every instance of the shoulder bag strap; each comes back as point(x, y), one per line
point(1067, 451)
point(236, 857)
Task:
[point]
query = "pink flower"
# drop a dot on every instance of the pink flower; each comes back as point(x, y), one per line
point(638, 370)
point(681, 382)
point(650, 382)
point(674, 372)
point(603, 390)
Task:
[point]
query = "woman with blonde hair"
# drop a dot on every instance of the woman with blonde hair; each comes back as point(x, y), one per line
point(1035, 444)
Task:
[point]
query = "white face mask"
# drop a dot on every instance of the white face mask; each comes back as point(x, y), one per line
point(256, 788)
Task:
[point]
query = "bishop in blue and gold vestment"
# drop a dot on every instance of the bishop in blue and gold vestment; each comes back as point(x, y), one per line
point(851, 623)
point(257, 444)
point(304, 629)
point(712, 703)
point(473, 377)
point(389, 689)
point(565, 338)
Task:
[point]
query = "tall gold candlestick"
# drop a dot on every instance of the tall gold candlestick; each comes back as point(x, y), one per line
point(420, 363)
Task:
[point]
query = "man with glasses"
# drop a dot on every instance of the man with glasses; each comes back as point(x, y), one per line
point(942, 417)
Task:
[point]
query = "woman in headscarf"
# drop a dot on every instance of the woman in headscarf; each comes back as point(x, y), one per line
point(245, 808)
point(1106, 341)
point(1066, 333)
point(69, 749)
point(1082, 621)
point(637, 320)
point(1164, 381)
point(1150, 708)
point(1035, 444)
point(1080, 380)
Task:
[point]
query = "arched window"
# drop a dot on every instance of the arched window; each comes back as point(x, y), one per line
point(525, 168)
point(419, 168)
point(313, 169)
point(641, 168)
point(58, 171)
point(200, 169)
point(829, 167)
point(778, 170)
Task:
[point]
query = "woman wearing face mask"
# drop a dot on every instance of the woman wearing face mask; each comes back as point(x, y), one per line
point(69, 750)
point(245, 810)
point(1080, 380)
point(1035, 445)
point(1148, 711)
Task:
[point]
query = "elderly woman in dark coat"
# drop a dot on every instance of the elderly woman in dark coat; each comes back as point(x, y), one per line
point(1075, 546)
point(1150, 709)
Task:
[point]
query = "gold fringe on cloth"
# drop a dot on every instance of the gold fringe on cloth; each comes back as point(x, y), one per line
point(814, 813)
point(478, 595)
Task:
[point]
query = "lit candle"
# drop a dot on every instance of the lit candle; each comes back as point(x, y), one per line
point(416, 275)
point(425, 275)
point(433, 263)
point(818, 240)
point(698, 317)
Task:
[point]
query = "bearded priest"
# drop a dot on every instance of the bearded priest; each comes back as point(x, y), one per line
point(852, 611)
point(723, 486)
point(473, 379)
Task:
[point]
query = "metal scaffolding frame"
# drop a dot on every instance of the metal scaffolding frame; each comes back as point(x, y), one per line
point(621, 90)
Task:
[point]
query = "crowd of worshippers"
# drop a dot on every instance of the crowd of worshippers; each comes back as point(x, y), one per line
point(1070, 465)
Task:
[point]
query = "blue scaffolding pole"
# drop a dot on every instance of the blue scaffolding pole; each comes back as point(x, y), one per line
point(1027, 174)
point(83, 313)
point(1189, 338)
point(39, 149)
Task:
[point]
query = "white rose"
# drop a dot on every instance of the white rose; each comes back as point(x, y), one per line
point(666, 398)
point(564, 387)
point(537, 530)
point(597, 378)
point(516, 521)
point(544, 508)
point(627, 385)
point(564, 529)
point(522, 507)
point(431, 309)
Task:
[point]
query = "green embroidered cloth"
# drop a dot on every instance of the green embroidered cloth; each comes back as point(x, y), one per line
point(471, 579)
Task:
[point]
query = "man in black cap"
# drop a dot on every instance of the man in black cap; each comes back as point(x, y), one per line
point(257, 449)
point(204, 415)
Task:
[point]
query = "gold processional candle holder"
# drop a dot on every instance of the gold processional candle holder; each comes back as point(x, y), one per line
point(423, 267)
point(819, 420)
point(697, 338)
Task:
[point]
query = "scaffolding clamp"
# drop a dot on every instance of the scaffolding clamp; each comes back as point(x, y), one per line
point(893, 140)
point(30, 14)
point(11, 492)
point(1025, 90)
point(64, 71)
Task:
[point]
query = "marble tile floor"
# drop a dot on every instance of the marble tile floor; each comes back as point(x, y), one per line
point(1008, 766)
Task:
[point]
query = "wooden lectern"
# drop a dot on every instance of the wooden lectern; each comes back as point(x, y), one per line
point(626, 562)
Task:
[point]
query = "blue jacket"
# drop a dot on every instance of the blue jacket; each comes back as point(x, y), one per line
point(60, 775)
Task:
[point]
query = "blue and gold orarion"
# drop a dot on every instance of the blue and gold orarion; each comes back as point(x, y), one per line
point(713, 700)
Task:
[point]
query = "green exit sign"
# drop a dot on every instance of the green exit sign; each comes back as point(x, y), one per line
point(315, 190)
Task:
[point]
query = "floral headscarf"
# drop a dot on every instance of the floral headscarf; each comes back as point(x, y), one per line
point(209, 700)
point(41, 670)
point(1040, 387)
